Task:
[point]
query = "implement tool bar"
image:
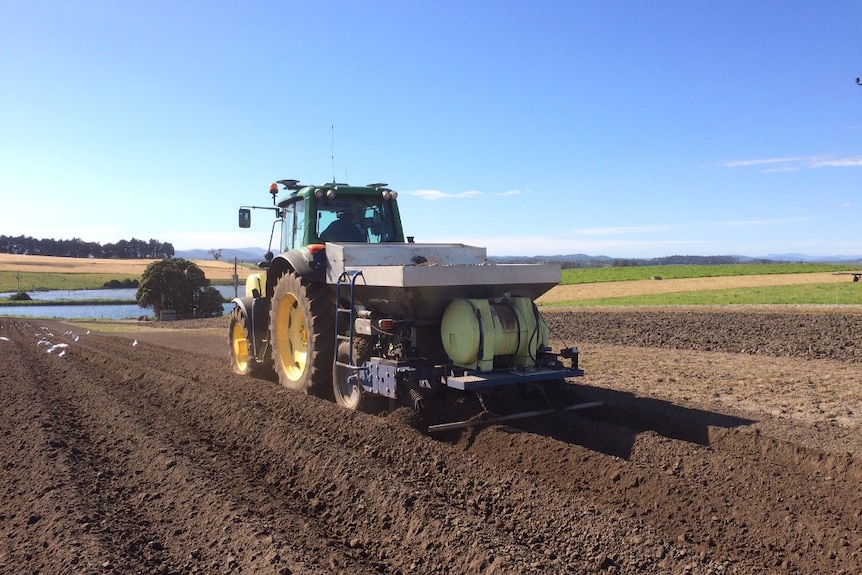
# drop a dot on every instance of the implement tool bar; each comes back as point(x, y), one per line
point(498, 419)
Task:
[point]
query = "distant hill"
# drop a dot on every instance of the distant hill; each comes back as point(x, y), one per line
point(563, 259)
point(818, 259)
point(250, 255)
point(255, 255)
point(583, 260)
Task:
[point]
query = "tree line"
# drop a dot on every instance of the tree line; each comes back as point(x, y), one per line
point(77, 248)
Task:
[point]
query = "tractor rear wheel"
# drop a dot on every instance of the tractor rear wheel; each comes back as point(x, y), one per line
point(302, 329)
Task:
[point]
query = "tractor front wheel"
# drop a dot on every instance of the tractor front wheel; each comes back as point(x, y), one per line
point(239, 336)
point(302, 329)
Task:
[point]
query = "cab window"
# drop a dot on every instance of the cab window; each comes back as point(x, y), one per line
point(355, 219)
point(294, 217)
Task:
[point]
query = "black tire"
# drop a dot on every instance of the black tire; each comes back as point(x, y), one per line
point(302, 332)
point(348, 393)
point(239, 339)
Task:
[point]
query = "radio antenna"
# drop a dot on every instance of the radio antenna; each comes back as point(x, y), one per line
point(332, 141)
point(332, 152)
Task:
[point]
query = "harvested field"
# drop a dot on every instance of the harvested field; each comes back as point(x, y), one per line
point(214, 270)
point(728, 442)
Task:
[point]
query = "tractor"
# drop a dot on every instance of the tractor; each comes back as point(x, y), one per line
point(353, 309)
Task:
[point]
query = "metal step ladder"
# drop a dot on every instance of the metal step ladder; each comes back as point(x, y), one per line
point(347, 279)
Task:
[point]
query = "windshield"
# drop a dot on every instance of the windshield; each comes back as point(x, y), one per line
point(366, 219)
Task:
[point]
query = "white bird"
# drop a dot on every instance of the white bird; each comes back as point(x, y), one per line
point(4, 338)
point(62, 353)
point(135, 343)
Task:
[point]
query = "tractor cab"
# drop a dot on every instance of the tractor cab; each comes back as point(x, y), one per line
point(333, 212)
point(354, 218)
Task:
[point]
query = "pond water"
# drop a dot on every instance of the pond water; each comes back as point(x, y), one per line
point(122, 311)
point(114, 294)
point(100, 311)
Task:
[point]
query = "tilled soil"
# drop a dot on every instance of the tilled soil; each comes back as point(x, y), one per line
point(727, 442)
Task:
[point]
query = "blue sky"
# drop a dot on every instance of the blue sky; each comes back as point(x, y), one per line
point(627, 129)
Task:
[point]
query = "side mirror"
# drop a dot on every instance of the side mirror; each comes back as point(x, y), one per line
point(267, 260)
point(244, 218)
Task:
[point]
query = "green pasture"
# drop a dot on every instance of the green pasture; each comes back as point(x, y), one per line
point(42, 281)
point(848, 293)
point(631, 273)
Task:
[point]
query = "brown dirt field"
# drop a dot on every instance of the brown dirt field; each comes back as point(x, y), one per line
point(214, 270)
point(728, 442)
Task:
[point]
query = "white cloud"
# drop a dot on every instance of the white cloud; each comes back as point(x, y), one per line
point(661, 228)
point(432, 195)
point(765, 162)
point(838, 163)
point(784, 169)
point(793, 163)
point(757, 223)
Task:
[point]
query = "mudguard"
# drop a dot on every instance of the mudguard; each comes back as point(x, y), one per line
point(256, 311)
point(300, 262)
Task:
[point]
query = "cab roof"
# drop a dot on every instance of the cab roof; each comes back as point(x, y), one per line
point(293, 189)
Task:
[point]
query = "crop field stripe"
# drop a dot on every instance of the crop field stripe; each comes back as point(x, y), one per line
point(632, 273)
point(811, 294)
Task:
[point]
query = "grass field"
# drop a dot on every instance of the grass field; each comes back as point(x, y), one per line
point(633, 273)
point(782, 286)
point(846, 293)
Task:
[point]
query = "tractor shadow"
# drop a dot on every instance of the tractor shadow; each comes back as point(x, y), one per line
point(612, 428)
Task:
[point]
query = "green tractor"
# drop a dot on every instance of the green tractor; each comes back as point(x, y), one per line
point(351, 308)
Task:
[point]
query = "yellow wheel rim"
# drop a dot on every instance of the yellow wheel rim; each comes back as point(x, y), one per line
point(292, 337)
point(239, 344)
